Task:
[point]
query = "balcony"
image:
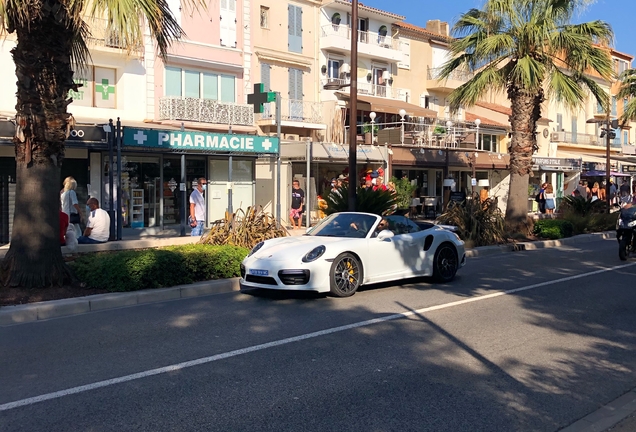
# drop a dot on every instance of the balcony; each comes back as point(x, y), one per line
point(294, 111)
point(365, 88)
point(578, 139)
point(371, 44)
point(457, 78)
point(205, 111)
point(102, 36)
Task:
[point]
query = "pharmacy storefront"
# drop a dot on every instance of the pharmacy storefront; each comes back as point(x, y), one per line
point(160, 168)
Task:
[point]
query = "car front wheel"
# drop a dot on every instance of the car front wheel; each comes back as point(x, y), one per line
point(345, 275)
point(445, 263)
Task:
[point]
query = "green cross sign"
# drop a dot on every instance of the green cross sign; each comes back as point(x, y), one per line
point(105, 89)
point(260, 97)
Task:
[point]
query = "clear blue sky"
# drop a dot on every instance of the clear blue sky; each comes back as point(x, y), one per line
point(619, 14)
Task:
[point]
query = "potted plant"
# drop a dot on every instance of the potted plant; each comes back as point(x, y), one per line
point(439, 130)
point(404, 191)
point(366, 130)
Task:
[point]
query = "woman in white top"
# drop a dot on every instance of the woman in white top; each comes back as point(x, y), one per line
point(70, 205)
point(549, 199)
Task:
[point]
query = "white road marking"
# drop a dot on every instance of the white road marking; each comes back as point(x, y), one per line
point(204, 360)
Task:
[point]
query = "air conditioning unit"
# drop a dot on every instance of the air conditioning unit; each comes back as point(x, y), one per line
point(292, 137)
point(557, 136)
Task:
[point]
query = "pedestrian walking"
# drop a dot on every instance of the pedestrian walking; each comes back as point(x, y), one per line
point(297, 204)
point(197, 207)
point(70, 205)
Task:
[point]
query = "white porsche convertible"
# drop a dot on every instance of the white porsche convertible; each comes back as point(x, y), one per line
point(347, 250)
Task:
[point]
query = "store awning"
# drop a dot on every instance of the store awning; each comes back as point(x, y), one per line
point(393, 106)
point(429, 157)
point(331, 152)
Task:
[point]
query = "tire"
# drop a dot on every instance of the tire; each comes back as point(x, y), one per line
point(345, 276)
point(622, 248)
point(445, 263)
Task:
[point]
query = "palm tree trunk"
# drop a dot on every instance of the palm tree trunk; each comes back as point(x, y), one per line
point(42, 58)
point(526, 110)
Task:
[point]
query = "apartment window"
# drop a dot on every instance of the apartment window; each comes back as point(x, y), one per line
point(199, 85)
point(599, 108)
point(228, 23)
point(625, 137)
point(98, 87)
point(574, 129)
point(487, 142)
point(295, 28)
point(614, 106)
point(559, 122)
point(264, 17)
point(333, 68)
point(617, 140)
point(625, 102)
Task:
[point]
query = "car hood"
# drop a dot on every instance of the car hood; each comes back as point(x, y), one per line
point(297, 246)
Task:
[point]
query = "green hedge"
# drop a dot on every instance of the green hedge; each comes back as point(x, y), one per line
point(133, 270)
point(553, 228)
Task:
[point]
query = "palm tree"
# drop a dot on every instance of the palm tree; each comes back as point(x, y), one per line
point(530, 50)
point(51, 41)
point(628, 91)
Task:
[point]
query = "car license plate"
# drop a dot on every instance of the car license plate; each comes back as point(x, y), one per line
point(259, 272)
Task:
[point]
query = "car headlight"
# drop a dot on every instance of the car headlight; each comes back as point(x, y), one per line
point(256, 248)
point(314, 254)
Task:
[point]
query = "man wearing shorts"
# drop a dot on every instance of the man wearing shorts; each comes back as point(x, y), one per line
point(297, 203)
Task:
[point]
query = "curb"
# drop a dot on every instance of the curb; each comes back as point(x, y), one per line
point(11, 315)
point(20, 314)
point(607, 416)
point(542, 244)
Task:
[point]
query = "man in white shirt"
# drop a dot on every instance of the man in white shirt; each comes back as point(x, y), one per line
point(197, 207)
point(98, 225)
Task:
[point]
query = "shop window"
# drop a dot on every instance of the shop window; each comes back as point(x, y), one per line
point(199, 85)
point(98, 87)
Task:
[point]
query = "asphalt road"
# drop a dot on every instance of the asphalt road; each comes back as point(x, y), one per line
point(417, 357)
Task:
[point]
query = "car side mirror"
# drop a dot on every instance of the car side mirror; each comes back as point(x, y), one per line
point(385, 235)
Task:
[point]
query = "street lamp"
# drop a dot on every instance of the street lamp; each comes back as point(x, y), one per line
point(402, 113)
point(372, 116)
point(608, 132)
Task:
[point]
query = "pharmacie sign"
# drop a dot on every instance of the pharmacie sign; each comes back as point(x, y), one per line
point(182, 140)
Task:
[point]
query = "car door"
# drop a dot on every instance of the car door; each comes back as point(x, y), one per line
point(385, 259)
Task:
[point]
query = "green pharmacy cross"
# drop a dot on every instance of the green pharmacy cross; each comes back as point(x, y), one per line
point(105, 89)
point(260, 97)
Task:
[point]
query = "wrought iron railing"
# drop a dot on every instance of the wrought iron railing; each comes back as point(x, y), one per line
point(294, 110)
point(366, 37)
point(370, 89)
point(205, 111)
point(102, 34)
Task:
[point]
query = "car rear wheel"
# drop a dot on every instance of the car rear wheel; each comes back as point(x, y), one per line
point(445, 263)
point(345, 275)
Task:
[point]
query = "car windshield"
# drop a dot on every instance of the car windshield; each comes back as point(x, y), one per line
point(350, 225)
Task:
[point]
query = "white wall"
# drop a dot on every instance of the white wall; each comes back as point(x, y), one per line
point(131, 86)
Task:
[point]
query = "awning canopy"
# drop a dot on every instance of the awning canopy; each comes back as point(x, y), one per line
point(393, 106)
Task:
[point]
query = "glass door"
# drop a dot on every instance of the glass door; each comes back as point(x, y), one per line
point(217, 189)
point(243, 183)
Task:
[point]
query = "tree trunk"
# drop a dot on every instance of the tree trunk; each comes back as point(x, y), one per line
point(42, 58)
point(526, 110)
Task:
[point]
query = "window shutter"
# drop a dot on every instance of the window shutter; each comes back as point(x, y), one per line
point(405, 47)
point(265, 77)
point(228, 23)
point(574, 128)
point(294, 28)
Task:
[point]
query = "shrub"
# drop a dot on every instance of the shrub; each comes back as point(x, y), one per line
point(156, 268)
point(594, 222)
point(553, 228)
point(404, 190)
point(478, 223)
point(581, 206)
point(244, 228)
point(367, 200)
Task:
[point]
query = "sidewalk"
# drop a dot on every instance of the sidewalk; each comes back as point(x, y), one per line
point(139, 239)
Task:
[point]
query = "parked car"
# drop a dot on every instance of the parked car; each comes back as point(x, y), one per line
point(349, 249)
